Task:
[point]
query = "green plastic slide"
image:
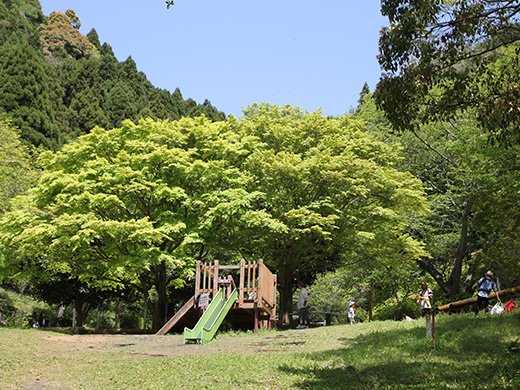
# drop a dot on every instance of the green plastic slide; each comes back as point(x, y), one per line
point(210, 321)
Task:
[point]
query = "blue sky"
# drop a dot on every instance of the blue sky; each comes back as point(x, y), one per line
point(309, 53)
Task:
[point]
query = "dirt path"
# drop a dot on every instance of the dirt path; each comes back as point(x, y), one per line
point(143, 346)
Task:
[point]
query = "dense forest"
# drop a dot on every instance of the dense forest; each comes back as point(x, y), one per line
point(57, 84)
point(112, 188)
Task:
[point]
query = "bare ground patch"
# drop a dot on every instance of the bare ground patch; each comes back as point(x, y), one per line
point(152, 346)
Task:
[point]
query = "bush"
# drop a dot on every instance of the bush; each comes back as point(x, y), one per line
point(393, 310)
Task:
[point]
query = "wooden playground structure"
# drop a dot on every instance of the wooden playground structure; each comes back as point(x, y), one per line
point(255, 303)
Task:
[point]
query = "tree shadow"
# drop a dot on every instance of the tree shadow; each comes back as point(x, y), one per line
point(467, 355)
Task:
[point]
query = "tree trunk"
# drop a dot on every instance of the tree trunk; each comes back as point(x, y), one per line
point(118, 312)
point(428, 266)
point(78, 304)
point(285, 288)
point(162, 296)
point(158, 308)
point(451, 287)
point(463, 250)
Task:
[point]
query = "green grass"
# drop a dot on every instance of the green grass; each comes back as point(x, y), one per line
point(471, 352)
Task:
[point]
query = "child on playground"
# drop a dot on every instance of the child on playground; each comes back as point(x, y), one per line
point(351, 315)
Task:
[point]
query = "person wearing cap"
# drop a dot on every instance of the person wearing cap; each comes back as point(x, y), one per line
point(303, 307)
point(351, 316)
point(485, 286)
point(425, 298)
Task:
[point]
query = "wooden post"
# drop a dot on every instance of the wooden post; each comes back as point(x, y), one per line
point(433, 328)
point(370, 304)
point(241, 283)
point(259, 287)
point(229, 289)
point(204, 268)
point(428, 317)
point(248, 284)
point(275, 284)
point(256, 319)
point(215, 278)
point(197, 279)
point(253, 280)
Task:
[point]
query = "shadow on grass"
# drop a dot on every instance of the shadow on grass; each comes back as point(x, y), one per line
point(470, 353)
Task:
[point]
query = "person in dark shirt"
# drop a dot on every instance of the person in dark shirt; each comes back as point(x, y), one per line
point(485, 286)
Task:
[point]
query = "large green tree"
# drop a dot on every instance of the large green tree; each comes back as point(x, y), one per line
point(472, 195)
point(137, 204)
point(441, 57)
point(334, 191)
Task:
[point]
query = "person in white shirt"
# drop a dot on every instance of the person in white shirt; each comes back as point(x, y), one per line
point(425, 298)
point(351, 315)
point(303, 307)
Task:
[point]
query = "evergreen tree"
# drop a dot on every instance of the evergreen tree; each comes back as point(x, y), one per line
point(57, 84)
point(93, 38)
point(364, 92)
point(26, 95)
point(84, 95)
point(121, 104)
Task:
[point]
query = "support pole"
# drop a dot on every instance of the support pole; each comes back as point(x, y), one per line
point(256, 319)
point(433, 328)
point(428, 317)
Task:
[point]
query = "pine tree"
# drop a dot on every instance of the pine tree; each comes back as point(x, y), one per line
point(84, 99)
point(27, 95)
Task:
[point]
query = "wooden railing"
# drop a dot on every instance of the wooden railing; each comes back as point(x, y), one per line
point(266, 286)
point(256, 282)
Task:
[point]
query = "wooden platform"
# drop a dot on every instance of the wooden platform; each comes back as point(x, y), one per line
point(255, 306)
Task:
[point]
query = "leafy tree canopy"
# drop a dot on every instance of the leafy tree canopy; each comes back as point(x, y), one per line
point(334, 191)
point(444, 56)
point(137, 204)
point(472, 194)
point(17, 173)
point(140, 203)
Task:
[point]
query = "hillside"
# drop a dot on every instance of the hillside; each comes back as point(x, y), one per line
point(56, 83)
point(470, 353)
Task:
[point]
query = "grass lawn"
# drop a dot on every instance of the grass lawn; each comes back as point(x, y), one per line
point(471, 352)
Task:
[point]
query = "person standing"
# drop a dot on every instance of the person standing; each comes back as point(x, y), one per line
point(485, 286)
point(351, 315)
point(303, 307)
point(425, 298)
